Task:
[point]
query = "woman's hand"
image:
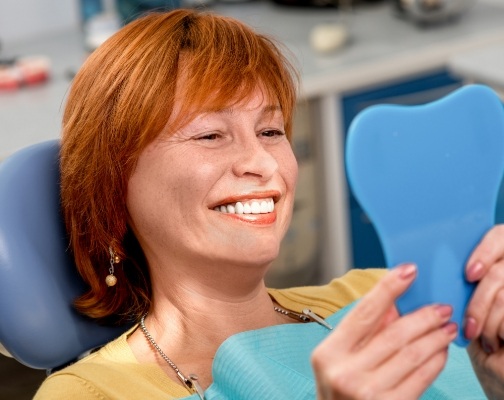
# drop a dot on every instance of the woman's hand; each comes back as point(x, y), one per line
point(484, 323)
point(375, 354)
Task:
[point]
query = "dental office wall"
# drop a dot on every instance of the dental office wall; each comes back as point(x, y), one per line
point(24, 19)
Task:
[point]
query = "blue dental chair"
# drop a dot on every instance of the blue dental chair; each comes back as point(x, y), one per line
point(38, 280)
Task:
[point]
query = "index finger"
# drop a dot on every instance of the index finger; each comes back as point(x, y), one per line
point(363, 320)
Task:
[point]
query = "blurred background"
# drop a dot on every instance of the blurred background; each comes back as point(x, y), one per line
point(351, 54)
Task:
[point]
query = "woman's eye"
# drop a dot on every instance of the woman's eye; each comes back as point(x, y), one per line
point(272, 133)
point(210, 136)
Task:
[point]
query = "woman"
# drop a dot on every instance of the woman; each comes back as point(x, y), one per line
point(178, 182)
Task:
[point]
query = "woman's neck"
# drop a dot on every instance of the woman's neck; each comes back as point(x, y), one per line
point(191, 319)
point(206, 315)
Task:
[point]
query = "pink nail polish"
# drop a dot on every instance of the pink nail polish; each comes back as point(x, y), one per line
point(475, 271)
point(470, 328)
point(444, 311)
point(406, 271)
point(450, 328)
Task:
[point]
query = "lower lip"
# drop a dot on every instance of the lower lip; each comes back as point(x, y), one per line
point(254, 219)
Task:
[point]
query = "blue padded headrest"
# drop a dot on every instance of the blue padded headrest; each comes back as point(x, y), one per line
point(38, 278)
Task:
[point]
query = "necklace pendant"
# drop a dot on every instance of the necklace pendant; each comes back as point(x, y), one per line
point(306, 315)
point(314, 317)
point(193, 384)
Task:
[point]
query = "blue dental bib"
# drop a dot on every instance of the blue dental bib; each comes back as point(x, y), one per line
point(274, 364)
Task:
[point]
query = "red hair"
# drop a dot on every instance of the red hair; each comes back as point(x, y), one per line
point(120, 100)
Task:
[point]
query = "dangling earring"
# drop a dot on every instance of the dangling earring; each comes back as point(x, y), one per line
point(111, 279)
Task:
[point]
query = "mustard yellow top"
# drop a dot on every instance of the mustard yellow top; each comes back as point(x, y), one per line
point(114, 373)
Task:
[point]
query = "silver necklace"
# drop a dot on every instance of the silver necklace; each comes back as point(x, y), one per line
point(191, 381)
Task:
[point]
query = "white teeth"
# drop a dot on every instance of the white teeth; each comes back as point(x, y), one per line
point(255, 208)
point(264, 208)
point(249, 207)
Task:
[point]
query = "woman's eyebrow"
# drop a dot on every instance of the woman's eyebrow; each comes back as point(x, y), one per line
point(269, 109)
point(272, 109)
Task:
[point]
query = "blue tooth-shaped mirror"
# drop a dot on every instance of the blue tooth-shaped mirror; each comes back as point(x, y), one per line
point(428, 178)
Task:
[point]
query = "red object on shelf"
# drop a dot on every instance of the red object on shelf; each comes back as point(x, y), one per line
point(9, 79)
point(26, 71)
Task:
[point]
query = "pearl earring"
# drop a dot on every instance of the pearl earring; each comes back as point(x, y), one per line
point(111, 279)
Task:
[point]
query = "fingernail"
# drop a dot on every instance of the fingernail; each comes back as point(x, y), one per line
point(470, 328)
point(450, 328)
point(444, 311)
point(475, 271)
point(406, 271)
point(487, 347)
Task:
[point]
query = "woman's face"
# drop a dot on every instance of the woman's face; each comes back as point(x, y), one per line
point(219, 190)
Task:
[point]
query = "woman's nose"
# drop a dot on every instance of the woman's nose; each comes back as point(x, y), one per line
point(253, 159)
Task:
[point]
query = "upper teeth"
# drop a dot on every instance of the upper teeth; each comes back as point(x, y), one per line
point(262, 206)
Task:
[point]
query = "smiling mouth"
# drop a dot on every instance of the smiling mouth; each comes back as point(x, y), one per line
point(259, 206)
